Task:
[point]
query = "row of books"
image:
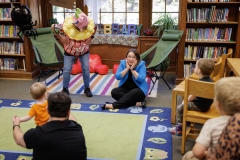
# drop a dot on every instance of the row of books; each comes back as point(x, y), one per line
point(208, 34)
point(188, 69)
point(5, 13)
point(9, 63)
point(207, 14)
point(208, 0)
point(196, 52)
point(11, 48)
point(8, 30)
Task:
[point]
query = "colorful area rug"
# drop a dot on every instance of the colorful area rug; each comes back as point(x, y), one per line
point(99, 84)
point(127, 134)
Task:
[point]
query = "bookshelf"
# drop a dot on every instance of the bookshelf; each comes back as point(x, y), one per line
point(210, 28)
point(14, 61)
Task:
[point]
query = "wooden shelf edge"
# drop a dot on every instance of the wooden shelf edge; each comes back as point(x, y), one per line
point(10, 38)
point(218, 23)
point(17, 74)
point(213, 3)
point(9, 2)
point(13, 55)
point(190, 60)
point(222, 42)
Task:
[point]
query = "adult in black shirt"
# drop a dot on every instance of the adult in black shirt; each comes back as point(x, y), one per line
point(61, 138)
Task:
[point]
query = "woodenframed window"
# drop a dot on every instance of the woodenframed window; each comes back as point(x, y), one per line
point(61, 13)
point(160, 7)
point(119, 11)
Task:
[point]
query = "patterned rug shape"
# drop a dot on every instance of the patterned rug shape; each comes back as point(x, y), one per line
point(99, 84)
point(128, 133)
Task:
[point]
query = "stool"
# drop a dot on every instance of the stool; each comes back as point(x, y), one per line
point(101, 69)
point(115, 67)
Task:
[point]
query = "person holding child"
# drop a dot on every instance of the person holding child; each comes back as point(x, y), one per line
point(227, 101)
point(133, 87)
point(60, 138)
point(204, 67)
point(228, 143)
point(38, 110)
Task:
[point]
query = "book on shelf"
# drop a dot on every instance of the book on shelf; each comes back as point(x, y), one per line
point(189, 69)
point(8, 30)
point(8, 63)
point(196, 52)
point(11, 48)
point(12, 62)
point(211, 14)
point(1, 64)
point(208, 34)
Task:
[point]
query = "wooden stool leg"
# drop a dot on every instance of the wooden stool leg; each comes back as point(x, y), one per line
point(174, 106)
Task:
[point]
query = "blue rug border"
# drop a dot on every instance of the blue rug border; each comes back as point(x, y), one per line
point(15, 103)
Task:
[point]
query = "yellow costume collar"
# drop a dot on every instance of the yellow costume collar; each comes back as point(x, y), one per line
point(72, 32)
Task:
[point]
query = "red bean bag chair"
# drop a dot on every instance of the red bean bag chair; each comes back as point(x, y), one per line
point(115, 67)
point(101, 69)
point(94, 60)
point(76, 69)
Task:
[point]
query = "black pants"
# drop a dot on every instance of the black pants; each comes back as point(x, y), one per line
point(126, 98)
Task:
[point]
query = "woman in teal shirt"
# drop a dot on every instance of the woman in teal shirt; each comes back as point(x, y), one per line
point(132, 88)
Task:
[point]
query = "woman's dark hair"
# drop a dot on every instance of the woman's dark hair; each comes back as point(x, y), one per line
point(59, 104)
point(135, 53)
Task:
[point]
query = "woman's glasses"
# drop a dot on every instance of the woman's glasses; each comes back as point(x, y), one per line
point(131, 57)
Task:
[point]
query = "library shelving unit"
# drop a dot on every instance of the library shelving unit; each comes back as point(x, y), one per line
point(13, 63)
point(193, 15)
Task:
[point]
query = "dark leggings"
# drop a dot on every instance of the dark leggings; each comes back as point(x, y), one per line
point(126, 98)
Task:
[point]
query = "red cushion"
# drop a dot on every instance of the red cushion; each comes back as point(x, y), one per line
point(94, 60)
point(115, 67)
point(76, 69)
point(102, 69)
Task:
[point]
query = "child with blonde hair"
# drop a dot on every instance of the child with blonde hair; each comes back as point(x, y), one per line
point(204, 67)
point(38, 92)
point(227, 101)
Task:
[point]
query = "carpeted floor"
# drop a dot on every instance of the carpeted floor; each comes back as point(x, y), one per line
point(99, 84)
point(142, 132)
point(19, 89)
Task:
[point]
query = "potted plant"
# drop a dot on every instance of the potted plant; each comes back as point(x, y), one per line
point(165, 21)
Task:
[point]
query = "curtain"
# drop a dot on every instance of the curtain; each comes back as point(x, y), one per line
point(94, 7)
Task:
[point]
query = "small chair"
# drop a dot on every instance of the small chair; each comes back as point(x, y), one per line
point(215, 75)
point(199, 89)
point(224, 60)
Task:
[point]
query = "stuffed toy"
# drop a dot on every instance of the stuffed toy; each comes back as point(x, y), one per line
point(75, 33)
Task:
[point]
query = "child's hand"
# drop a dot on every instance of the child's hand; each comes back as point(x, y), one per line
point(16, 120)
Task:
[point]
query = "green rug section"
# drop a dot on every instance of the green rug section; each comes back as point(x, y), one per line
point(108, 136)
point(6, 130)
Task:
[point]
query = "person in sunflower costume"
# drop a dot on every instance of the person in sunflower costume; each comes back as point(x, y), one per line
point(76, 34)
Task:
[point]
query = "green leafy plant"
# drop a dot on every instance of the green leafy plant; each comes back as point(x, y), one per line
point(53, 21)
point(165, 21)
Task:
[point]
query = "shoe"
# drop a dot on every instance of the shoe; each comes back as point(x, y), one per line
point(144, 104)
point(65, 90)
point(177, 130)
point(88, 92)
point(103, 107)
